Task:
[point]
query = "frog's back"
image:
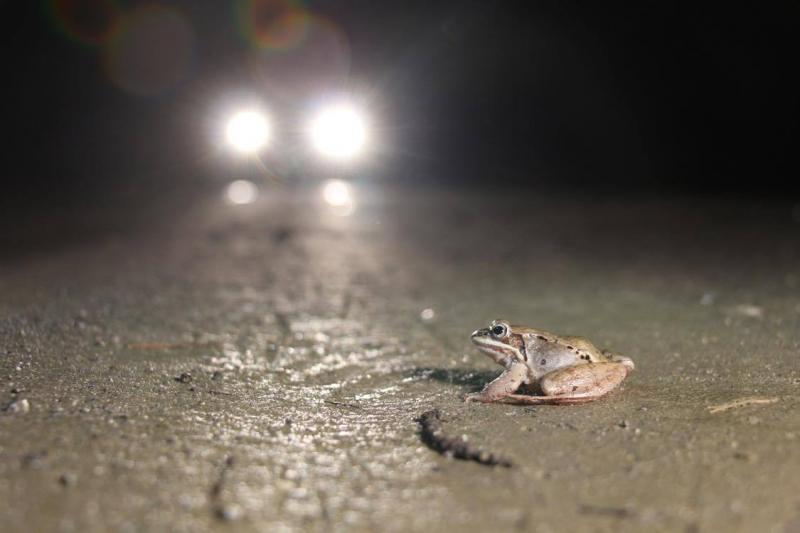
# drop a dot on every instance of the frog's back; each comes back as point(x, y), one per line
point(581, 344)
point(546, 352)
point(578, 345)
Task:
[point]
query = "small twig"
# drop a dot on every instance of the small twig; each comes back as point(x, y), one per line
point(283, 324)
point(343, 404)
point(216, 488)
point(435, 438)
point(221, 393)
point(616, 512)
point(215, 493)
point(147, 346)
point(346, 304)
point(741, 402)
point(221, 510)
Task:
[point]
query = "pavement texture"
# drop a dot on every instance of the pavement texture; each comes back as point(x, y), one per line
point(261, 367)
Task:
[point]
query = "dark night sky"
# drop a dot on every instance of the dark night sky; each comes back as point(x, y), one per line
point(643, 96)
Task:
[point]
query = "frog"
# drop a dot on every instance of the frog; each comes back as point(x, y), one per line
point(547, 368)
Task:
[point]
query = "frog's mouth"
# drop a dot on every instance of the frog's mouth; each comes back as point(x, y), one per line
point(502, 353)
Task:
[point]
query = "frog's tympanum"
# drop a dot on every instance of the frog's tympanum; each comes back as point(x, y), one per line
point(551, 369)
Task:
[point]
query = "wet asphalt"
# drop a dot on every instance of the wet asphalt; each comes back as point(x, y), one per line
point(262, 366)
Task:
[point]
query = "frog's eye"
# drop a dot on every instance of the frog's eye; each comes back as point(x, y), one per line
point(499, 330)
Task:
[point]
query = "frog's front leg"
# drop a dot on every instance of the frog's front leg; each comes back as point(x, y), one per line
point(575, 384)
point(504, 385)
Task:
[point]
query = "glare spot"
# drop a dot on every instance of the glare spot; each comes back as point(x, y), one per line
point(152, 52)
point(241, 192)
point(707, 299)
point(339, 195)
point(748, 310)
point(338, 132)
point(273, 24)
point(247, 131)
point(87, 21)
point(336, 193)
point(427, 315)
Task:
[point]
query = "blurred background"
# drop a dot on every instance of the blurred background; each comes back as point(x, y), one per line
point(105, 100)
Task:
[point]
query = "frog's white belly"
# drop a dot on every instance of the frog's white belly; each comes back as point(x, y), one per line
point(544, 357)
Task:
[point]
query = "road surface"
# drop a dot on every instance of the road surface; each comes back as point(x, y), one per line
point(263, 365)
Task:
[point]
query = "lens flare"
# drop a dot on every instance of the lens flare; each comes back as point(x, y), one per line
point(86, 21)
point(321, 58)
point(152, 52)
point(273, 24)
point(338, 132)
point(338, 195)
point(247, 131)
point(241, 192)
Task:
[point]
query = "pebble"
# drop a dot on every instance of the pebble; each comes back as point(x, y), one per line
point(19, 406)
point(67, 479)
point(228, 512)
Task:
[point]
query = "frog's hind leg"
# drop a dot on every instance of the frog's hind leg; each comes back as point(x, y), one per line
point(575, 384)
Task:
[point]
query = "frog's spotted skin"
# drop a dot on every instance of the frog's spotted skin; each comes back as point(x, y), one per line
point(562, 369)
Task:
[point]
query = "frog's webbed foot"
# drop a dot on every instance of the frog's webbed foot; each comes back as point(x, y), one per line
point(474, 397)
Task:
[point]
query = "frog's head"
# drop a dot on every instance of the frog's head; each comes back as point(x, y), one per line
point(499, 342)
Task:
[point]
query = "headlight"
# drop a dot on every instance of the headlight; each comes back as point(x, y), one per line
point(339, 132)
point(248, 131)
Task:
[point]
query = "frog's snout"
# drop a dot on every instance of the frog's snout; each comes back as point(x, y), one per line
point(483, 332)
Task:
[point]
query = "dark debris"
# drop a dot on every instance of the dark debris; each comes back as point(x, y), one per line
point(433, 435)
